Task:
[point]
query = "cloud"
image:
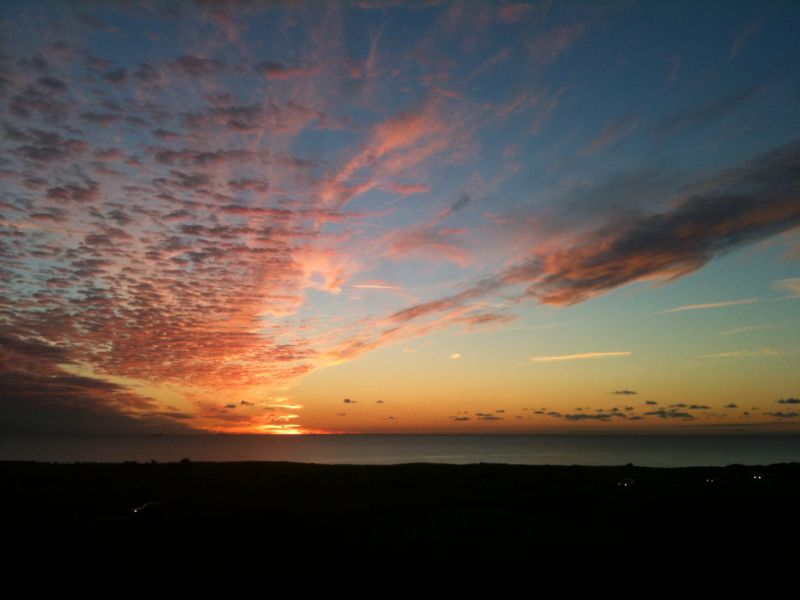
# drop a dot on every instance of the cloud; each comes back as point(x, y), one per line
point(600, 414)
point(39, 396)
point(738, 206)
point(624, 392)
point(588, 417)
point(45, 146)
point(697, 117)
point(75, 192)
point(116, 76)
point(546, 47)
point(183, 219)
point(747, 34)
point(101, 119)
point(783, 415)
point(278, 117)
point(712, 305)
point(746, 353)
point(746, 328)
point(377, 285)
point(488, 417)
point(394, 147)
point(789, 401)
point(52, 83)
point(406, 189)
point(429, 243)
point(511, 13)
point(670, 414)
point(748, 204)
point(148, 75)
point(789, 285)
point(614, 131)
point(198, 66)
point(278, 71)
point(584, 356)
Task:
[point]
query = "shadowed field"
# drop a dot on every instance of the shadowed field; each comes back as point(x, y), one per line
point(402, 506)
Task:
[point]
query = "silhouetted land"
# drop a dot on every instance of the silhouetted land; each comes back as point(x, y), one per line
point(403, 506)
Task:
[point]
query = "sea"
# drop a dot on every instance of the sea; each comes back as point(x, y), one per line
point(647, 451)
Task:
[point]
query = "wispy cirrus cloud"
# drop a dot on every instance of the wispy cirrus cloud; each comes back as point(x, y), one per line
point(791, 285)
point(747, 353)
point(746, 329)
point(583, 356)
point(705, 306)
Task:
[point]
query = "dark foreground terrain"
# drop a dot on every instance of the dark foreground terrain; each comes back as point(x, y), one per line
point(407, 507)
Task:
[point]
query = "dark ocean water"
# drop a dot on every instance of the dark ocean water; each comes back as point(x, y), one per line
point(653, 451)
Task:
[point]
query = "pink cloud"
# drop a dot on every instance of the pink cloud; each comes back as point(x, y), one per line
point(430, 244)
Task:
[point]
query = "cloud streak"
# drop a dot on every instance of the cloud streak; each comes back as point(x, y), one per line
point(584, 356)
point(708, 305)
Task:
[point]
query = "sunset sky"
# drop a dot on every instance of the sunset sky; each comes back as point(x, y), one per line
point(384, 216)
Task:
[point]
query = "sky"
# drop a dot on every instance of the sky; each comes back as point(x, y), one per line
point(399, 217)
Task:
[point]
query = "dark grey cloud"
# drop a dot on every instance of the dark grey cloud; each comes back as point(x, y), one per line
point(147, 74)
point(488, 417)
point(190, 181)
point(275, 70)
point(198, 66)
point(34, 349)
point(75, 192)
point(783, 415)
point(269, 68)
point(101, 119)
point(624, 392)
point(52, 83)
point(41, 101)
point(670, 414)
point(588, 417)
point(462, 202)
point(789, 401)
point(38, 396)
point(117, 76)
point(45, 146)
